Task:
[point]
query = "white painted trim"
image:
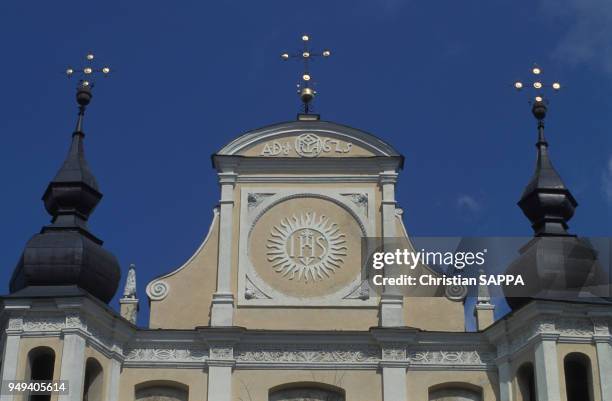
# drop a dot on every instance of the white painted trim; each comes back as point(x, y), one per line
point(320, 179)
point(10, 357)
point(219, 383)
point(394, 384)
point(114, 375)
point(604, 363)
point(504, 374)
point(73, 366)
point(346, 133)
point(547, 371)
point(399, 213)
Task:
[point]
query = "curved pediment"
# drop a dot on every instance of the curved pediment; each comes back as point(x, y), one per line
point(308, 139)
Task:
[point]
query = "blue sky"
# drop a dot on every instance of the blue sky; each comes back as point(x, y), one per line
point(431, 77)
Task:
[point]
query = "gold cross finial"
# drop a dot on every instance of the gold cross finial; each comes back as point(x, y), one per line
point(539, 102)
point(537, 84)
point(88, 71)
point(305, 88)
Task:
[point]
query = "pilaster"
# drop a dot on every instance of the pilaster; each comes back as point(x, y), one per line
point(112, 385)
point(394, 383)
point(504, 373)
point(73, 366)
point(391, 305)
point(220, 367)
point(10, 356)
point(547, 369)
point(603, 345)
point(222, 313)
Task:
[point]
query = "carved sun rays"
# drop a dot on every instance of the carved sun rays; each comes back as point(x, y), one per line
point(306, 247)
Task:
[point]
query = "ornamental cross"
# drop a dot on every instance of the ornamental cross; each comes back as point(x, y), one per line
point(538, 105)
point(537, 84)
point(88, 71)
point(86, 74)
point(305, 88)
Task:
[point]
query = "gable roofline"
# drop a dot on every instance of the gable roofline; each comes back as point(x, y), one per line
point(361, 138)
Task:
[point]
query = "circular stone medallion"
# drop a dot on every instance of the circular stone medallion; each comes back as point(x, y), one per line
point(306, 247)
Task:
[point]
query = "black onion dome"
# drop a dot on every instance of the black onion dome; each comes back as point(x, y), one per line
point(546, 201)
point(555, 264)
point(65, 253)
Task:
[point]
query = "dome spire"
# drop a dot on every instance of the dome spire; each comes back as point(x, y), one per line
point(73, 193)
point(65, 254)
point(554, 265)
point(546, 201)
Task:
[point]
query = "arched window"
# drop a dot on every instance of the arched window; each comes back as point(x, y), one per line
point(525, 380)
point(92, 388)
point(455, 392)
point(306, 392)
point(41, 361)
point(162, 390)
point(578, 377)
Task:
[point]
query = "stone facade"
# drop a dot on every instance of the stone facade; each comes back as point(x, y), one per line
point(272, 306)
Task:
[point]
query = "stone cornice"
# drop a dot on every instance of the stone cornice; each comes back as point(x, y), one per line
point(263, 166)
point(236, 346)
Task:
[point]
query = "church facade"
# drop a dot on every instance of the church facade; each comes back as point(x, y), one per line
point(273, 306)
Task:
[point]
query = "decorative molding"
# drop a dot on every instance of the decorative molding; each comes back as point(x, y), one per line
point(74, 321)
point(255, 198)
point(328, 195)
point(456, 292)
point(543, 326)
point(464, 358)
point(247, 288)
point(360, 200)
point(301, 179)
point(158, 290)
point(280, 131)
point(299, 353)
point(574, 327)
point(601, 326)
point(170, 354)
point(15, 323)
point(361, 291)
point(394, 352)
point(43, 323)
point(222, 353)
point(252, 292)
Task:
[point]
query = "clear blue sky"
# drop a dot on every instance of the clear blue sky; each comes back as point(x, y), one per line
point(431, 77)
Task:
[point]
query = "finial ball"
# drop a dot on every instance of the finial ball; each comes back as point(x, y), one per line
point(307, 94)
point(83, 95)
point(539, 109)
